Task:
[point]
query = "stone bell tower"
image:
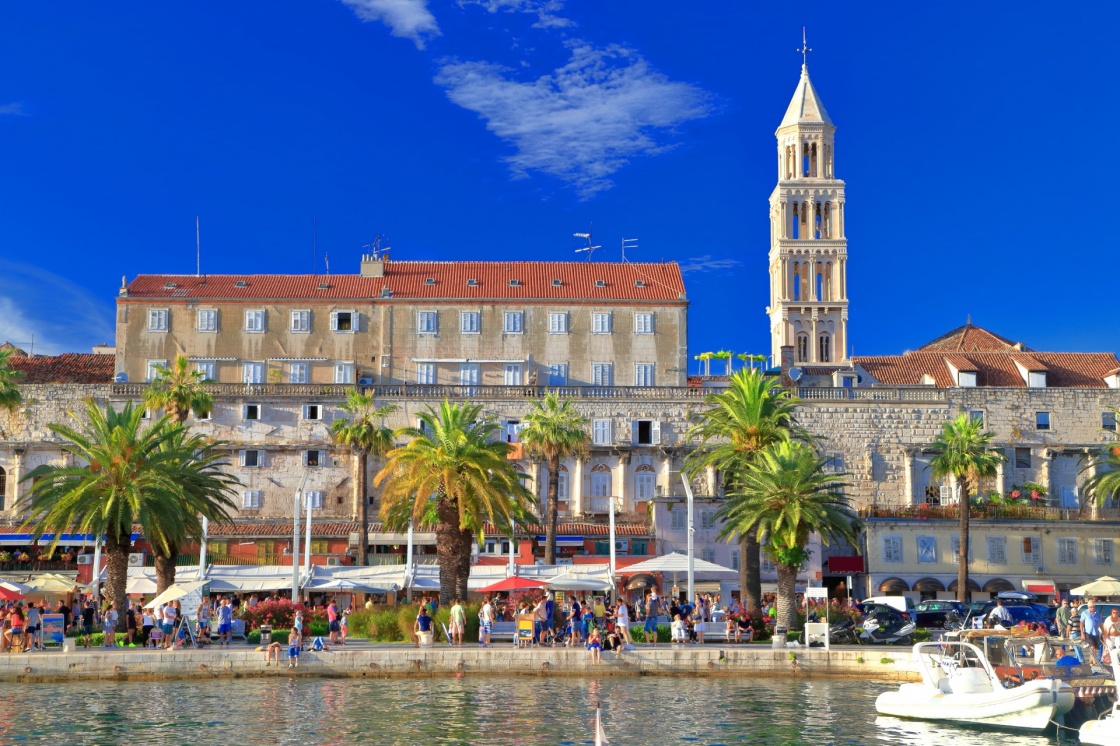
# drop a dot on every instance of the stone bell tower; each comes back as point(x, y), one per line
point(808, 250)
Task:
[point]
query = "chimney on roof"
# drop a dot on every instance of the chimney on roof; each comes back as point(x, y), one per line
point(373, 265)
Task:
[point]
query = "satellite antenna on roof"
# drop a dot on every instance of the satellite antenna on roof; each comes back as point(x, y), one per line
point(631, 243)
point(375, 247)
point(197, 249)
point(590, 248)
point(327, 262)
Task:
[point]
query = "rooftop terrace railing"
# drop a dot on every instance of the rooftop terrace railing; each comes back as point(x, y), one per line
point(924, 511)
point(423, 391)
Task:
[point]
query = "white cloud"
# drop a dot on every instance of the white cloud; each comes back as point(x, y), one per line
point(408, 19)
point(60, 315)
point(13, 109)
point(707, 263)
point(545, 10)
point(582, 122)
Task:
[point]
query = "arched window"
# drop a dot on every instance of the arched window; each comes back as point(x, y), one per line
point(797, 281)
point(645, 480)
point(601, 481)
point(826, 348)
point(802, 347)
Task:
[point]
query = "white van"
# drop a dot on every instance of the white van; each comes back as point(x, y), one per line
point(902, 603)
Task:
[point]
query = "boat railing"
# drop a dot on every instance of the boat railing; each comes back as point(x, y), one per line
point(940, 653)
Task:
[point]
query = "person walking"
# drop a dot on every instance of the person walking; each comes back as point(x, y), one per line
point(575, 622)
point(333, 626)
point(1091, 625)
point(485, 622)
point(295, 642)
point(539, 627)
point(1111, 631)
point(31, 639)
point(1061, 616)
point(622, 621)
point(458, 623)
point(343, 626)
point(653, 610)
point(88, 614)
point(1000, 615)
point(225, 622)
point(109, 625)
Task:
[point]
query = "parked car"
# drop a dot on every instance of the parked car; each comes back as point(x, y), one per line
point(1020, 611)
point(940, 614)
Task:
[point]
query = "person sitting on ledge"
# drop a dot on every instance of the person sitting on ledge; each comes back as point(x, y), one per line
point(272, 652)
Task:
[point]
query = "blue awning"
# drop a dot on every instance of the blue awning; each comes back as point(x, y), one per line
point(13, 540)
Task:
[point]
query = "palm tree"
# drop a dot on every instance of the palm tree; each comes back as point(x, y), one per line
point(366, 435)
point(552, 431)
point(128, 474)
point(786, 494)
point(178, 391)
point(1104, 475)
point(455, 465)
point(752, 414)
point(964, 452)
point(10, 396)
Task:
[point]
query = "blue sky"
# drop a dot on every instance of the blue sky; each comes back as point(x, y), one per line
point(494, 129)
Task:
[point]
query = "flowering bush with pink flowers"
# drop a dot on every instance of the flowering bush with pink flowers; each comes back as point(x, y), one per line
point(280, 614)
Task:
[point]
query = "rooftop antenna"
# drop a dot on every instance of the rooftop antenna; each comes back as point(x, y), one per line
point(327, 262)
point(314, 243)
point(628, 243)
point(197, 249)
point(590, 248)
point(805, 49)
point(375, 247)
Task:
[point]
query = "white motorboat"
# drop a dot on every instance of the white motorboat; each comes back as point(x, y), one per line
point(959, 685)
point(1106, 730)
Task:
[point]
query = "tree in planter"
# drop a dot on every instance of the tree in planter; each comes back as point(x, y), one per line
point(964, 451)
point(456, 472)
point(785, 494)
point(129, 474)
point(367, 435)
point(752, 414)
point(552, 431)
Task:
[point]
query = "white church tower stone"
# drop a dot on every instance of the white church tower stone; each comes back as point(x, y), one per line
point(808, 250)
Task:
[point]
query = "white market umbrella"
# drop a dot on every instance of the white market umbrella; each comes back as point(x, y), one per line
point(1103, 586)
point(51, 584)
point(140, 586)
point(178, 590)
point(12, 585)
point(574, 581)
point(674, 562)
point(351, 586)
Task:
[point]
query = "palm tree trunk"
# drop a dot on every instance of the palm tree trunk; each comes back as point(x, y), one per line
point(964, 505)
point(787, 596)
point(453, 552)
point(116, 571)
point(165, 569)
point(553, 510)
point(750, 575)
point(360, 507)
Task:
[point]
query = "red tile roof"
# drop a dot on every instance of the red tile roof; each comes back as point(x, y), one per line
point(409, 280)
point(970, 338)
point(1064, 369)
point(69, 367)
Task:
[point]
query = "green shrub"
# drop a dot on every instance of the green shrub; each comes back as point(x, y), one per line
point(318, 629)
point(921, 635)
point(664, 634)
point(278, 635)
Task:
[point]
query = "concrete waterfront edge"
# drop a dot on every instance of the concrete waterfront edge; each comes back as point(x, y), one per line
point(710, 661)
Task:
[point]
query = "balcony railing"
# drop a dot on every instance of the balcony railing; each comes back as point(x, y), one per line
point(874, 393)
point(421, 391)
point(602, 505)
point(924, 511)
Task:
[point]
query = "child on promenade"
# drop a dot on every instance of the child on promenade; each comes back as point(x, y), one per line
point(294, 643)
point(595, 646)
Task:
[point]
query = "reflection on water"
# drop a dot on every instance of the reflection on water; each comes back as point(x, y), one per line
point(492, 711)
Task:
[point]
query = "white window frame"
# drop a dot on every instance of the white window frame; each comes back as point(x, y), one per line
point(602, 483)
point(1102, 552)
point(602, 374)
point(246, 409)
point(252, 371)
point(344, 373)
point(511, 374)
point(469, 374)
point(654, 432)
point(707, 519)
point(927, 549)
point(734, 559)
point(298, 372)
point(558, 322)
point(208, 369)
point(206, 320)
point(677, 520)
point(159, 319)
point(314, 497)
point(514, 322)
point(470, 322)
point(892, 549)
point(1038, 425)
point(601, 322)
point(708, 554)
point(643, 374)
point(251, 499)
point(601, 432)
point(355, 322)
point(1034, 559)
point(300, 321)
point(643, 323)
point(427, 322)
point(256, 320)
point(997, 550)
point(312, 412)
point(1066, 551)
point(320, 458)
point(150, 372)
point(557, 374)
point(243, 458)
point(426, 374)
point(645, 486)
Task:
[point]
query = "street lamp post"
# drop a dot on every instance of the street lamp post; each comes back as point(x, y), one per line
point(691, 531)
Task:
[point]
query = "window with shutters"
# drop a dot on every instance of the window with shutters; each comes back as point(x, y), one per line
point(558, 374)
point(601, 323)
point(297, 372)
point(344, 322)
point(313, 459)
point(562, 486)
point(766, 563)
point(558, 323)
point(312, 412)
point(639, 548)
point(470, 322)
point(152, 372)
point(1067, 551)
point(955, 549)
point(158, 319)
point(734, 559)
point(977, 416)
point(601, 482)
point(1041, 420)
point(207, 320)
point(426, 373)
point(707, 520)
point(314, 498)
point(514, 322)
point(207, 369)
point(252, 372)
point(427, 322)
point(677, 520)
point(892, 549)
point(343, 372)
point(927, 550)
point(251, 499)
point(646, 432)
point(643, 323)
point(254, 321)
point(602, 374)
point(468, 374)
point(601, 432)
point(1032, 551)
point(251, 412)
point(834, 463)
point(251, 458)
point(708, 554)
point(997, 550)
point(1108, 421)
point(512, 375)
point(644, 486)
point(643, 374)
point(300, 322)
point(1102, 551)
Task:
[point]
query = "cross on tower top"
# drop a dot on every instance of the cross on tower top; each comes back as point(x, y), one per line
point(805, 49)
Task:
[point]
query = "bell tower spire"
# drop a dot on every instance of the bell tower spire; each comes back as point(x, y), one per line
point(808, 247)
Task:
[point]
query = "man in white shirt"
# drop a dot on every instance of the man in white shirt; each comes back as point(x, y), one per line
point(485, 622)
point(999, 615)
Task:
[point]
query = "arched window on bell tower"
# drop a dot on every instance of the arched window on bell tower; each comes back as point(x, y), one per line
point(797, 281)
point(802, 347)
point(825, 348)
